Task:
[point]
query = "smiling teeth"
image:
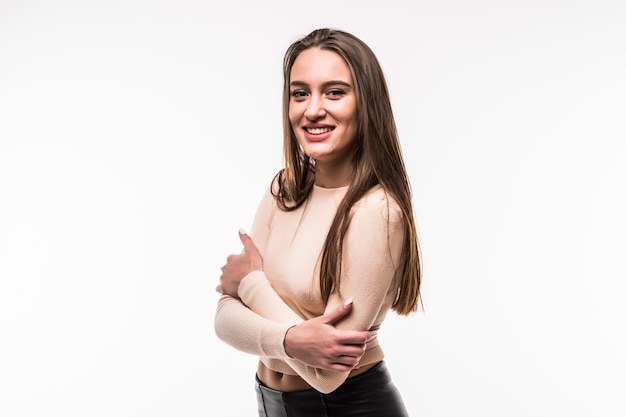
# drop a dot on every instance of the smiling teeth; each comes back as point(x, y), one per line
point(318, 130)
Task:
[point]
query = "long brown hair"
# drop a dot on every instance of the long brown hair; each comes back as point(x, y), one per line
point(377, 161)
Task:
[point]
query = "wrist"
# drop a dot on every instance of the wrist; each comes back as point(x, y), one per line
point(286, 342)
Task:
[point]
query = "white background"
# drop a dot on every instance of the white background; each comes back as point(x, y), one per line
point(136, 137)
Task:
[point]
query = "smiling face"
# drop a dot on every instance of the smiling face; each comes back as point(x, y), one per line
point(322, 109)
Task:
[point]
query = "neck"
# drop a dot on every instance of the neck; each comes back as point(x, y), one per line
point(332, 176)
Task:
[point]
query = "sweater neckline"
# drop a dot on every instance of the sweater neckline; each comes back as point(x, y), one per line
point(329, 190)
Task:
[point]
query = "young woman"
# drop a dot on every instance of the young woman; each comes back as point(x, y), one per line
point(333, 246)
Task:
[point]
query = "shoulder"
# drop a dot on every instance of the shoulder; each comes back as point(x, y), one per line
point(267, 206)
point(378, 204)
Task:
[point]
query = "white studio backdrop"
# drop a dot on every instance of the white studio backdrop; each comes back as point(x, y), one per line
point(136, 137)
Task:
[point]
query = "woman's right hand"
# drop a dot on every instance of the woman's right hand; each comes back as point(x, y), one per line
point(318, 343)
point(239, 265)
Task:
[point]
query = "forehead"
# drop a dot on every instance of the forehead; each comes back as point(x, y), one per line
point(315, 64)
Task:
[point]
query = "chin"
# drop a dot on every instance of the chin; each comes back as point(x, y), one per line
point(317, 156)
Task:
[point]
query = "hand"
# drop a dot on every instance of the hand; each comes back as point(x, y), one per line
point(240, 265)
point(316, 342)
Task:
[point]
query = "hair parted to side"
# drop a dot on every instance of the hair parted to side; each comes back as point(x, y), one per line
point(378, 161)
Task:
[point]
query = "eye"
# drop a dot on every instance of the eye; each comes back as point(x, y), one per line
point(336, 93)
point(298, 94)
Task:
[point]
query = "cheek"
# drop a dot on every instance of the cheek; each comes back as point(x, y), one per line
point(350, 121)
point(293, 114)
point(345, 111)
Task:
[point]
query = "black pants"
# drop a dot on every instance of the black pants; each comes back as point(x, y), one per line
point(370, 394)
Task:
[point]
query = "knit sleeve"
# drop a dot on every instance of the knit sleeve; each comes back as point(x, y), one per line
point(372, 252)
point(247, 331)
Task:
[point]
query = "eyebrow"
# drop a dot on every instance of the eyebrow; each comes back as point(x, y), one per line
point(326, 84)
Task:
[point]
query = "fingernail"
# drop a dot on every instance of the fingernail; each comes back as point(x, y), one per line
point(242, 232)
point(348, 302)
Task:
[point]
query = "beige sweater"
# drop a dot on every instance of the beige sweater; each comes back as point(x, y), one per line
point(287, 291)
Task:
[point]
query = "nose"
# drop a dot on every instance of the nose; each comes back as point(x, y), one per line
point(315, 109)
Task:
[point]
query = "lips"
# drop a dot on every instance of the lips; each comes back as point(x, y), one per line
point(318, 130)
point(317, 133)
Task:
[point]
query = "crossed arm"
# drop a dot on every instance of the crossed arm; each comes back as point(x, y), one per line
point(315, 342)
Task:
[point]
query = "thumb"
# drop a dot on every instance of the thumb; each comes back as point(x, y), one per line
point(250, 248)
point(248, 243)
point(338, 313)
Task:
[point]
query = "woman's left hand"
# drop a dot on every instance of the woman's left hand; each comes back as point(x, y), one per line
point(240, 265)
